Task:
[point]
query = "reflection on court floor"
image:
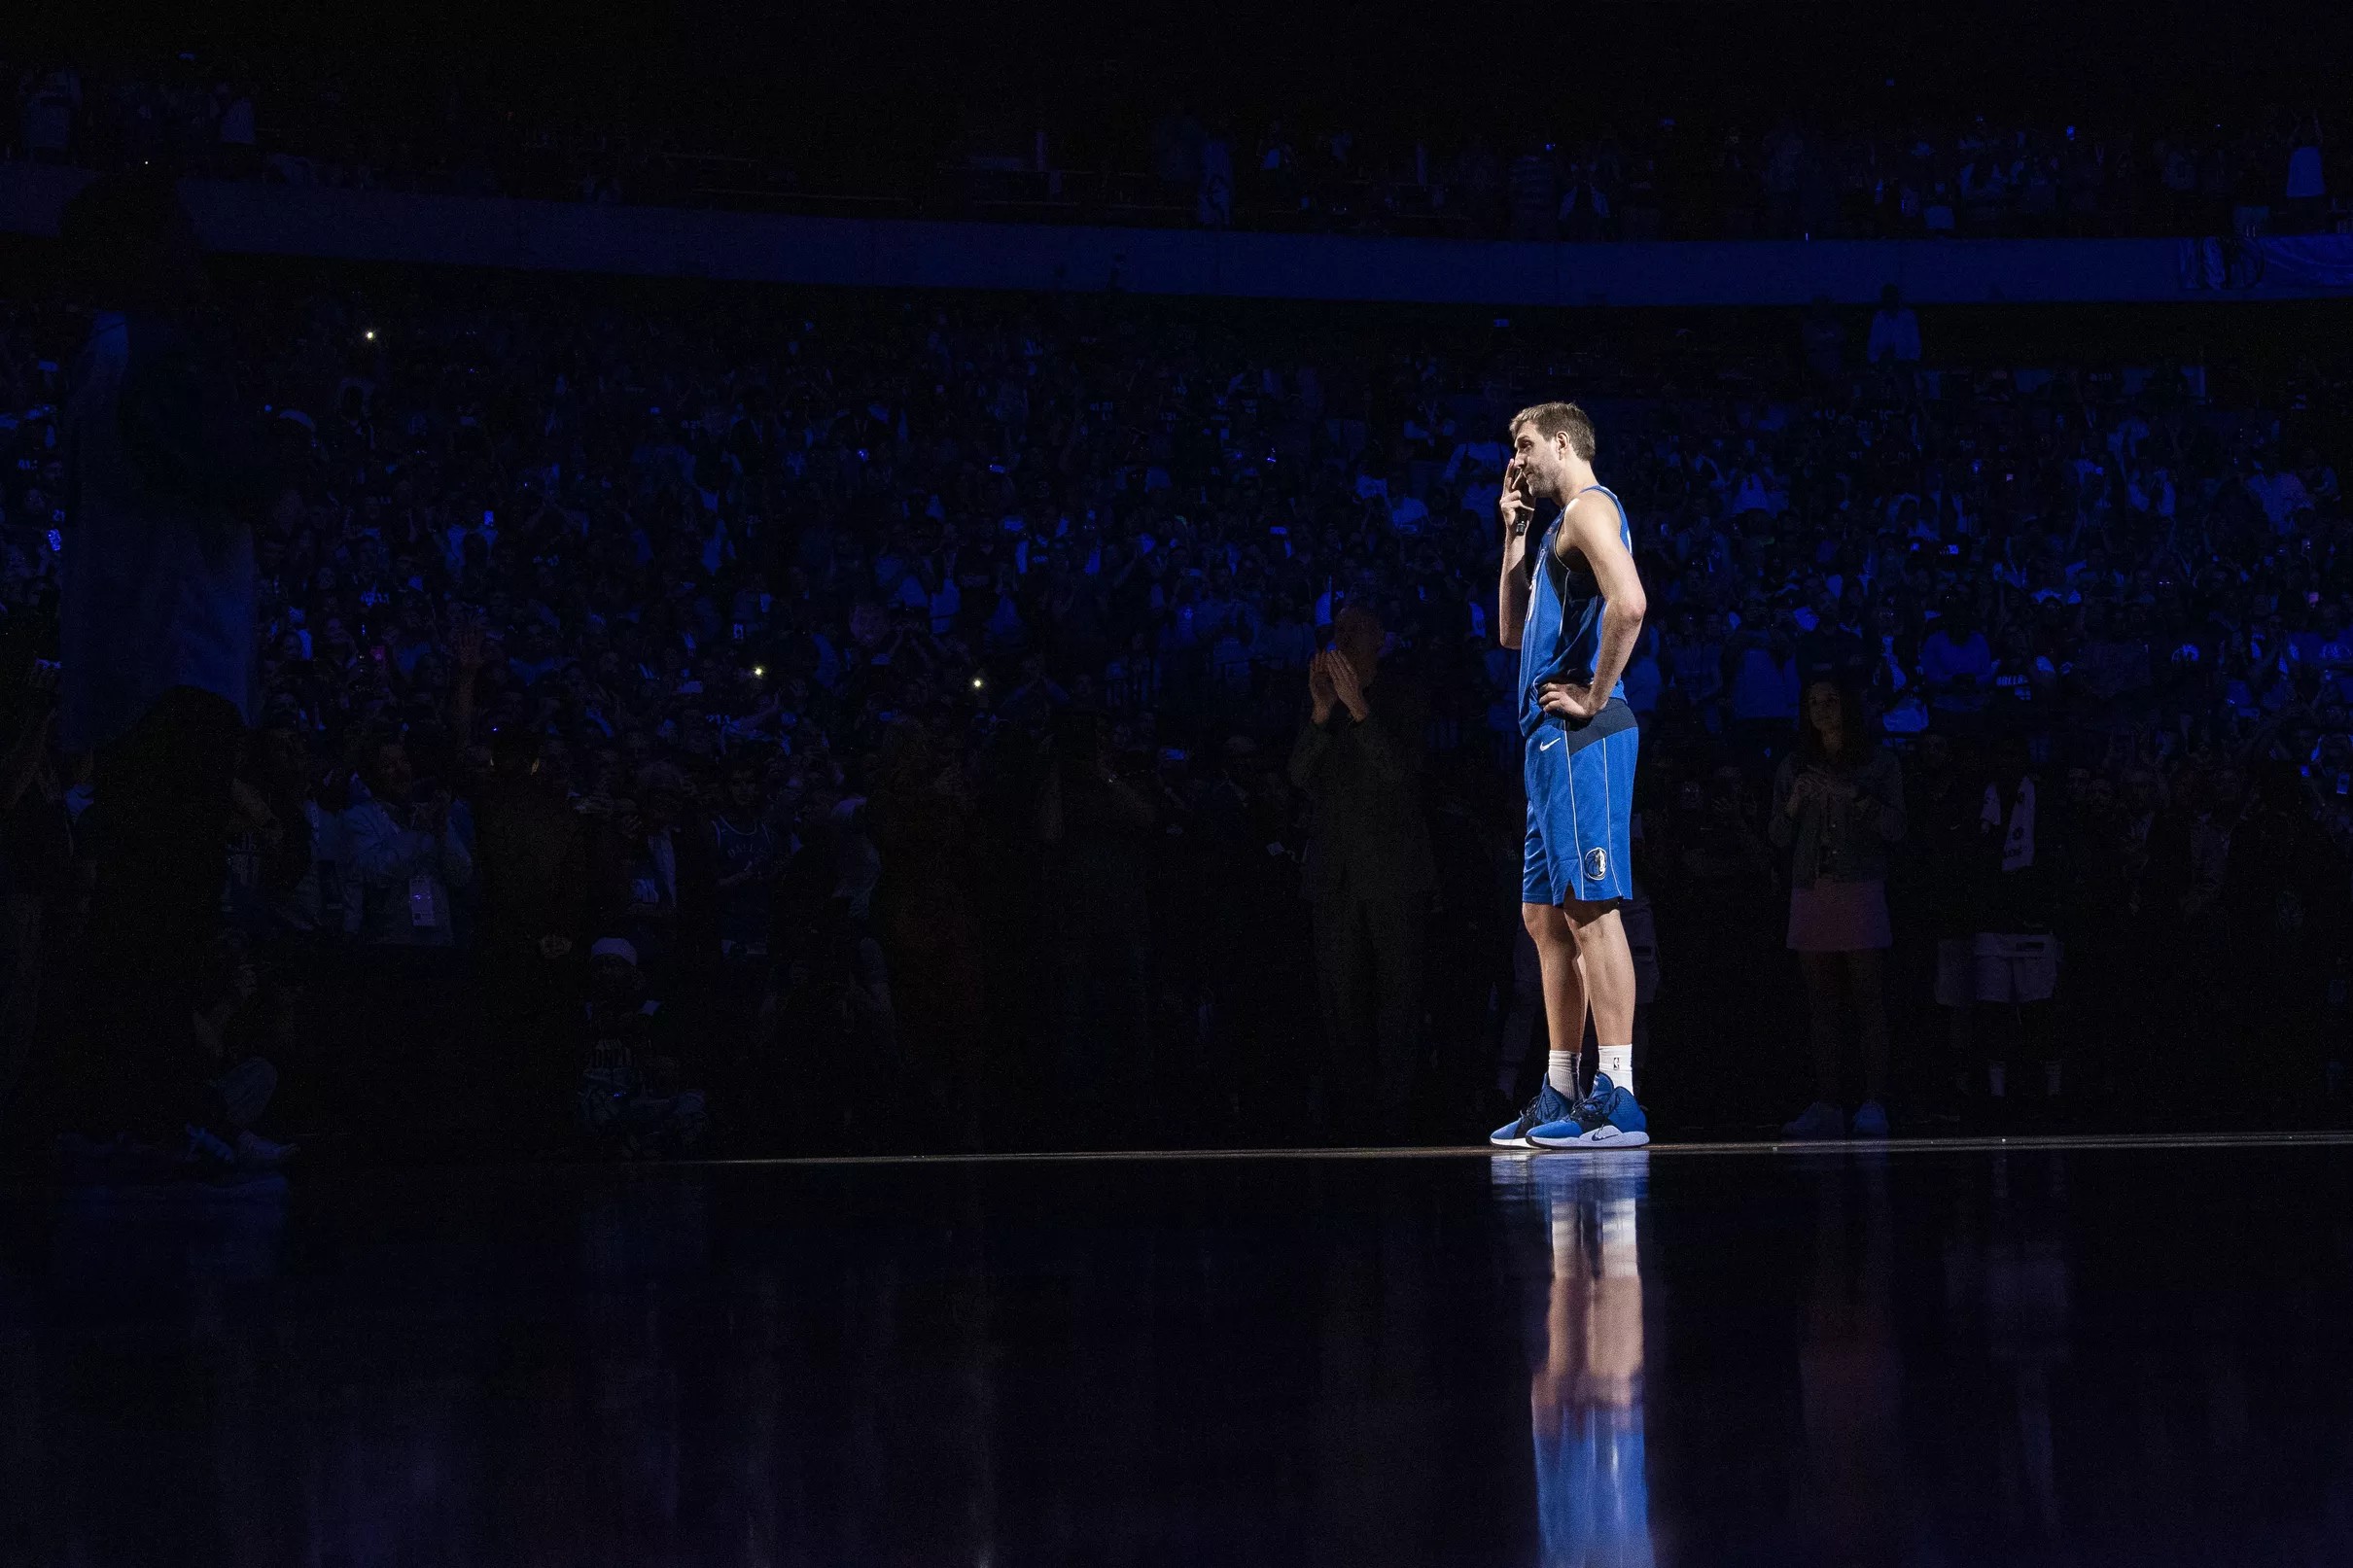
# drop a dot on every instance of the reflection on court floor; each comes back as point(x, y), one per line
point(1585, 1396)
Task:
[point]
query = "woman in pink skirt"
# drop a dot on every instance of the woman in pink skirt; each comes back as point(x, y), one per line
point(1838, 802)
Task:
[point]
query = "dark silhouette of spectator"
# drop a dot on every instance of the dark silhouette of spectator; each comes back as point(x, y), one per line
point(653, 874)
point(165, 480)
point(532, 858)
point(1838, 803)
point(923, 833)
point(1369, 871)
point(40, 875)
point(1094, 818)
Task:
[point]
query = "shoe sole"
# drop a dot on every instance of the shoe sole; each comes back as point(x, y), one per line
point(1509, 1143)
point(1592, 1140)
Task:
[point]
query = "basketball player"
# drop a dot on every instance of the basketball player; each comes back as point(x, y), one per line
point(1571, 603)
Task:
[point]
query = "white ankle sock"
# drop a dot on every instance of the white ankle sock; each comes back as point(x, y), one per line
point(1560, 1071)
point(1618, 1060)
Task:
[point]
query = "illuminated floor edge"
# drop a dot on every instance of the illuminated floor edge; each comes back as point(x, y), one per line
point(1923, 1145)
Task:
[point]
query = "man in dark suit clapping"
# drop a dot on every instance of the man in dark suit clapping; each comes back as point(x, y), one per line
point(1369, 872)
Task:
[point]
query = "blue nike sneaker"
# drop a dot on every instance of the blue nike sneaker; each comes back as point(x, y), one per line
point(1549, 1108)
point(1606, 1117)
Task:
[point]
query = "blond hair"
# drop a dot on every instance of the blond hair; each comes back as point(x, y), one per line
point(1552, 419)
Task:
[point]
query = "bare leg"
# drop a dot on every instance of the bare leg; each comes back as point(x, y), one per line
point(1564, 976)
point(1608, 967)
point(1824, 973)
point(1866, 973)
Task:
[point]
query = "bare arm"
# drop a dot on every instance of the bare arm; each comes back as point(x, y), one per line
point(1590, 526)
point(1511, 590)
point(1511, 593)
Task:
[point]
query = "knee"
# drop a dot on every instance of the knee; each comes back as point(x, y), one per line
point(1545, 923)
point(1591, 924)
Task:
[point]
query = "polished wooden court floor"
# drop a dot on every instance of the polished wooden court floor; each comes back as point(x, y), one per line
point(2067, 1351)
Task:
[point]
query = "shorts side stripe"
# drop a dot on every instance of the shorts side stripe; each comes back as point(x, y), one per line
point(1575, 869)
point(1609, 821)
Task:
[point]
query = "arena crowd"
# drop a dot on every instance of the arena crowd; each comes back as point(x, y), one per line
point(746, 721)
point(1885, 168)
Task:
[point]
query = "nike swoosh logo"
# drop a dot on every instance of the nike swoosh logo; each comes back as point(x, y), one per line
point(1546, 746)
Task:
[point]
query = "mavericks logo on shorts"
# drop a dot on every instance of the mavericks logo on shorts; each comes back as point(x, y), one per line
point(1597, 863)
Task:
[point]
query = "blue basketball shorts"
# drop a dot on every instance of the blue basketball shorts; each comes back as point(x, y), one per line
point(1580, 809)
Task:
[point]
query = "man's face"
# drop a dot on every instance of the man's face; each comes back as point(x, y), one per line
point(1538, 464)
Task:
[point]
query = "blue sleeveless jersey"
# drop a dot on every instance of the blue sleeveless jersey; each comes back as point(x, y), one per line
point(1562, 638)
